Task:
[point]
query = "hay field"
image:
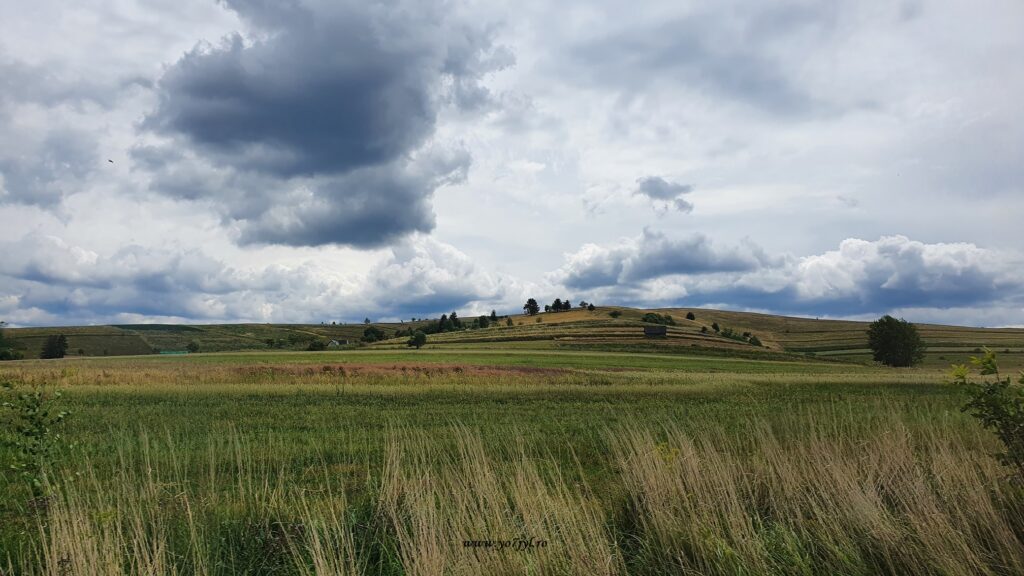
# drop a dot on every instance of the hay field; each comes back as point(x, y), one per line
point(508, 462)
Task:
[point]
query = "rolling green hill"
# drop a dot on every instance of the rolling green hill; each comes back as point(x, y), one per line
point(606, 328)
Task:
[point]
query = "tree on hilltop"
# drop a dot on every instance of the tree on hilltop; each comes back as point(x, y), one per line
point(531, 307)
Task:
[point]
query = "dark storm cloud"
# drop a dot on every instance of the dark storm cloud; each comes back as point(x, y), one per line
point(861, 277)
point(337, 99)
point(663, 191)
point(703, 52)
point(369, 207)
point(654, 255)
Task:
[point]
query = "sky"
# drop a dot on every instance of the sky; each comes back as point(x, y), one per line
point(329, 160)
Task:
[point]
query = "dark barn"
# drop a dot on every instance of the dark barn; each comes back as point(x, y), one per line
point(652, 331)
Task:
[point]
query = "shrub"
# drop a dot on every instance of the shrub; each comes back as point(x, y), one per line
point(33, 435)
point(716, 327)
point(755, 341)
point(193, 346)
point(615, 313)
point(690, 316)
point(895, 342)
point(9, 354)
point(998, 404)
point(418, 339)
point(317, 346)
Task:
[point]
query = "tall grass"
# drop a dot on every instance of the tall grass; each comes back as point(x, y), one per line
point(880, 501)
point(466, 513)
point(821, 492)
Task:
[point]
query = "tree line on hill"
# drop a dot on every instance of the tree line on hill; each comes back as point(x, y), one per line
point(532, 308)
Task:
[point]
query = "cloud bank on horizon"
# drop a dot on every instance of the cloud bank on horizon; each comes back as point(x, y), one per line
point(311, 161)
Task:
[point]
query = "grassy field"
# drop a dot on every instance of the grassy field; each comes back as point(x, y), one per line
point(468, 458)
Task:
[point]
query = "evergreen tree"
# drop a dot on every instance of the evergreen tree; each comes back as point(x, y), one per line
point(55, 347)
point(531, 307)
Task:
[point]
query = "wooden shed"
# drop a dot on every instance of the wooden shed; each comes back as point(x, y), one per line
point(652, 331)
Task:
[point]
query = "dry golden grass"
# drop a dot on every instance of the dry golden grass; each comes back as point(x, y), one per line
point(535, 523)
point(883, 503)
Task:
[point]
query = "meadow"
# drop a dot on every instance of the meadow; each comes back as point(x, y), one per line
point(514, 461)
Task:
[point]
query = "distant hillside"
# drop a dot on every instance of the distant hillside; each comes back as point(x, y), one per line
point(606, 328)
point(780, 336)
point(133, 339)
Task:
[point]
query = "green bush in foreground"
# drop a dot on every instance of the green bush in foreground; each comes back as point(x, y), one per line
point(32, 433)
point(998, 403)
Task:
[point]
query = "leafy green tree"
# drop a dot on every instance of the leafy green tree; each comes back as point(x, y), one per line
point(193, 346)
point(508, 321)
point(418, 339)
point(556, 306)
point(54, 347)
point(566, 305)
point(366, 320)
point(590, 307)
point(454, 319)
point(317, 346)
point(444, 325)
point(754, 340)
point(895, 342)
point(494, 316)
point(615, 313)
point(716, 327)
point(483, 321)
point(690, 316)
